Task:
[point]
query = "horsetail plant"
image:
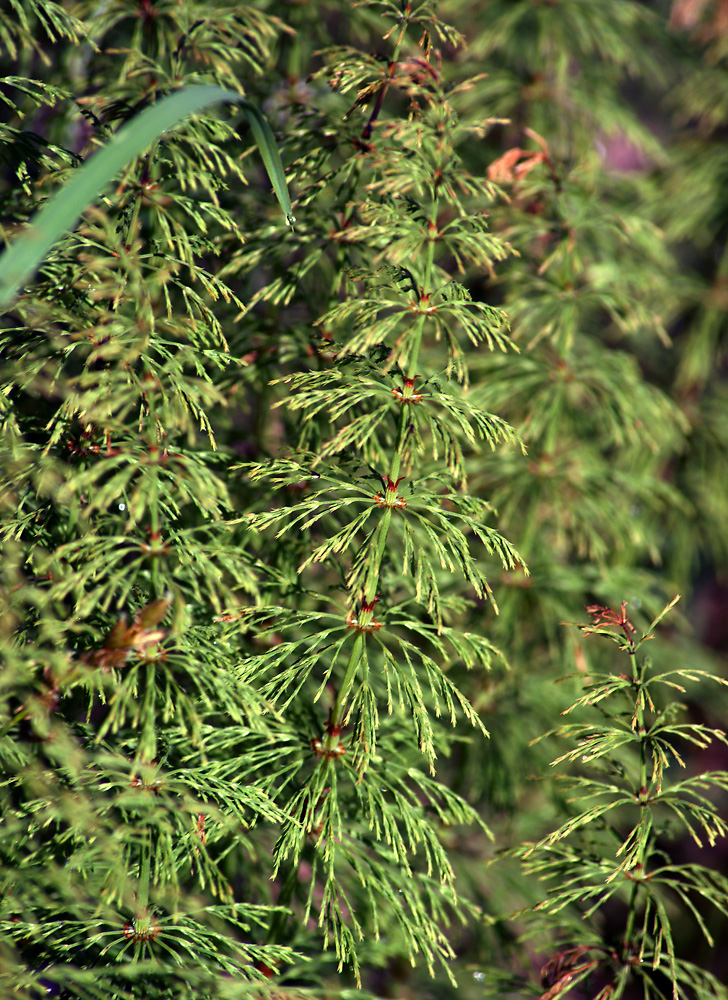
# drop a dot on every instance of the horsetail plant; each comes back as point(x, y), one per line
point(175, 715)
point(613, 851)
point(385, 531)
point(269, 494)
point(117, 826)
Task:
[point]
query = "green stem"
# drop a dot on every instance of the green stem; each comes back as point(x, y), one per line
point(645, 816)
point(372, 578)
point(337, 712)
point(379, 102)
point(154, 522)
point(426, 289)
point(404, 421)
point(380, 543)
point(350, 209)
point(18, 717)
point(145, 866)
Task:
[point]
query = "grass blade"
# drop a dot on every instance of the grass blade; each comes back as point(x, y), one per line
point(20, 261)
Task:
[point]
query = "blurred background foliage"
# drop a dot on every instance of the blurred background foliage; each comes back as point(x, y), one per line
point(146, 777)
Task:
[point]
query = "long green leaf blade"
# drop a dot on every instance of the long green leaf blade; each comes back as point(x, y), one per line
point(63, 211)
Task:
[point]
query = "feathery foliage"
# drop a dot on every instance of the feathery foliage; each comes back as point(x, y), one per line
point(292, 515)
point(615, 847)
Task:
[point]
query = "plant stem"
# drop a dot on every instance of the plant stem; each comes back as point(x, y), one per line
point(144, 876)
point(645, 814)
point(337, 712)
point(18, 717)
point(155, 534)
point(380, 543)
point(369, 127)
point(372, 578)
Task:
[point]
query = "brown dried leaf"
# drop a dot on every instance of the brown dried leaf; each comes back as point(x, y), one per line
point(125, 639)
point(563, 984)
point(117, 637)
point(706, 19)
point(153, 613)
point(685, 14)
point(502, 170)
point(560, 969)
point(506, 169)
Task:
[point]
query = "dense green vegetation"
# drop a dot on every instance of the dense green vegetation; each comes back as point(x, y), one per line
point(296, 512)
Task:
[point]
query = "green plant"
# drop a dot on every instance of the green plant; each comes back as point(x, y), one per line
point(154, 758)
point(116, 876)
point(29, 250)
point(265, 488)
point(612, 851)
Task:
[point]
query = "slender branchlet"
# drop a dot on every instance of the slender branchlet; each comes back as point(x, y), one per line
point(613, 852)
